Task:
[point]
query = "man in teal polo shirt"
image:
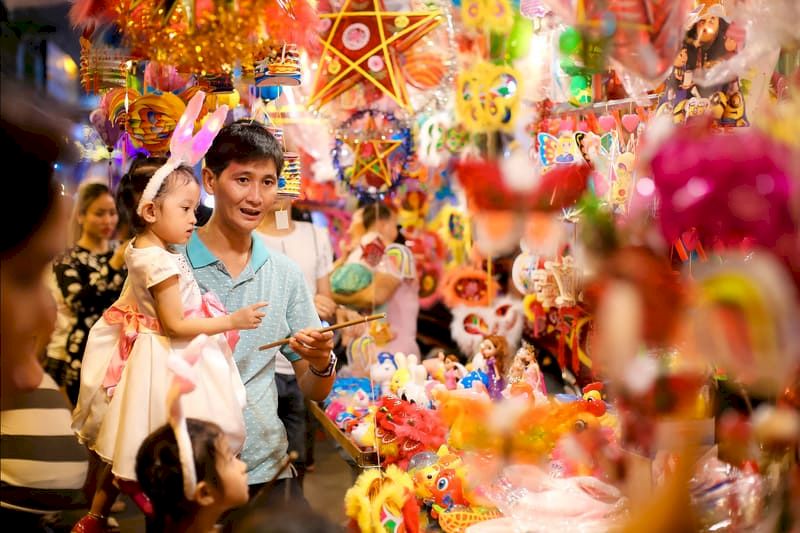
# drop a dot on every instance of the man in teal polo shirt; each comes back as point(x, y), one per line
point(241, 172)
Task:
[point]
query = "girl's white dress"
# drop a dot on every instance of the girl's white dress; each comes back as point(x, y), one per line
point(124, 377)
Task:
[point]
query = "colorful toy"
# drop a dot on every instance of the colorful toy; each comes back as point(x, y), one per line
point(487, 97)
point(383, 502)
point(404, 429)
point(707, 43)
point(408, 382)
point(382, 371)
point(471, 324)
point(525, 371)
point(441, 483)
point(491, 359)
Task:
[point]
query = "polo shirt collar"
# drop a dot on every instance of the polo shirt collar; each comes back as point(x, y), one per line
point(200, 256)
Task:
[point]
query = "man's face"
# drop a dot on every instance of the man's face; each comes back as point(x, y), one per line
point(243, 193)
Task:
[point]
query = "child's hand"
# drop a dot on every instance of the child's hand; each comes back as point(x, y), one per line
point(248, 317)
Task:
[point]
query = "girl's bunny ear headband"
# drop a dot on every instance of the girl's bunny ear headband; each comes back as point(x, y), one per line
point(184, 380)
point(184, 147)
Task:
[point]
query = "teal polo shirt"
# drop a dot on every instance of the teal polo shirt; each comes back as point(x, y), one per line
point(273, 278)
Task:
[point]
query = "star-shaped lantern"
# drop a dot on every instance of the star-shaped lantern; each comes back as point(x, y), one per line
point(371, 157)
point(361, 44)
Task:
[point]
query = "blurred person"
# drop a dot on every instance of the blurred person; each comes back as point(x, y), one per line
point(285, 520)
point(88, 279)
point(379, 274)
point(31, 238)
point(42, 470)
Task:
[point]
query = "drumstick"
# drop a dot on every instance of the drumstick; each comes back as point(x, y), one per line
point(347, 324)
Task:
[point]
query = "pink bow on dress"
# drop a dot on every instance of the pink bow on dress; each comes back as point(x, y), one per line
point(131, 321)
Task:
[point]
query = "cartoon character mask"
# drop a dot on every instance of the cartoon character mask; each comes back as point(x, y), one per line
point(471, 324)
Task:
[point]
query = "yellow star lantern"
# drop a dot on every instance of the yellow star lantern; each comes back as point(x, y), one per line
point(370, 160)
point(360, 45)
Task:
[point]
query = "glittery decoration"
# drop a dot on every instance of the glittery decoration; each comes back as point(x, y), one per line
point(102, 67)
point(361, 30)
point(381, 154)
point(208, 37)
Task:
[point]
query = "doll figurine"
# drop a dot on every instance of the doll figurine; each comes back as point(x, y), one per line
point(453, 372)
point(525, 369)
point(493, 351)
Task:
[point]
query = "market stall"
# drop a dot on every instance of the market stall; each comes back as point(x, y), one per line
point(597, 254)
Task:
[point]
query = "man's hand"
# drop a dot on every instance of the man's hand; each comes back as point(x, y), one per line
point(326, 307)
point(314, 347)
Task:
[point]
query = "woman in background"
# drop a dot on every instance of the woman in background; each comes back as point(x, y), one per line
point(88, 279)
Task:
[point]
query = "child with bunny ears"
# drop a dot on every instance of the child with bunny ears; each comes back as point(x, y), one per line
point(124, 379)
point(187, 467)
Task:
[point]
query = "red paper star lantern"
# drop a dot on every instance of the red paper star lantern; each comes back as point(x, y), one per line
point(360, 45)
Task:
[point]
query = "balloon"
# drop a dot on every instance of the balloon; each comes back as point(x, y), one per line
point(519, 40)
point(569, 41)
point(267, 93)
point(107, 130)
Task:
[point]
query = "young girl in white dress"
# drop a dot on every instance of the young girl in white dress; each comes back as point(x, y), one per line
point(125, 378)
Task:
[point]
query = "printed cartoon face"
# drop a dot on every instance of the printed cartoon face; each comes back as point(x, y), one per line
point(734, 111)
point(682, 59)
point(707, 29)
point(621, 187)
point(561, 150)
point(717, 104)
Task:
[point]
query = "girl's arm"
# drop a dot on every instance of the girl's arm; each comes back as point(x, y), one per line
point(171, 314)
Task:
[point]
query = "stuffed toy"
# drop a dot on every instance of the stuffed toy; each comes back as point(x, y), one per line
point(382, 502)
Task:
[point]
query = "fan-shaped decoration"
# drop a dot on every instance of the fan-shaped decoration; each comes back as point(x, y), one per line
point(152, 119)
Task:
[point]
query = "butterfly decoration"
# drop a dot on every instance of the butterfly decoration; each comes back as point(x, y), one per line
point(599, 152)
point(562, 150)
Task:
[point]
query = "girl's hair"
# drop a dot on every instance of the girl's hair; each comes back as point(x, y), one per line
point(241, 142)
point(501, 344)
point(133, 183)
point(371, 213)
point(158, 469)
point(87, 194)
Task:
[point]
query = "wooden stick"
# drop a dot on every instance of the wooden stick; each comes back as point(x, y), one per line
point(347, 324)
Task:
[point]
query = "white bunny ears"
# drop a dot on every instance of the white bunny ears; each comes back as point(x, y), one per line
point(184, 380)
point(185, 148)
